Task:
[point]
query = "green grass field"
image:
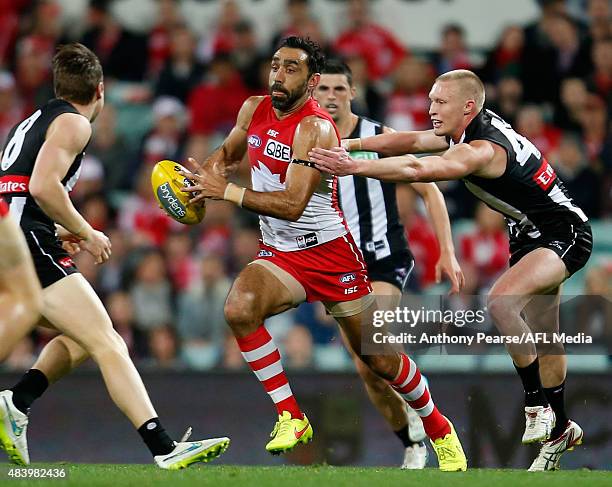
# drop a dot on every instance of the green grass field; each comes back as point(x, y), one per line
point(81, 475)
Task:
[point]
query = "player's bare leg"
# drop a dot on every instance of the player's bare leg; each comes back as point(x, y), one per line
point(20, 292)
point(542, 314)
point(262, 289)
point(403, 375)
point(538, 273)
point(88, 331)
point(20, 305)
point(402, 419)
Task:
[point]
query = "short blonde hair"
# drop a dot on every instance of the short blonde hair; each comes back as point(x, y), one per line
point(471, 84)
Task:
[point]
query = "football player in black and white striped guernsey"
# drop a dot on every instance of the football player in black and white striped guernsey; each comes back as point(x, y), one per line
point(370, 209)
point(550, 237)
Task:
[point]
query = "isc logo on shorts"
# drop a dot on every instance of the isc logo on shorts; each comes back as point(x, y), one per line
point(278, 150)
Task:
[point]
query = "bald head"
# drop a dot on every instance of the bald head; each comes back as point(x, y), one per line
point(470, 86)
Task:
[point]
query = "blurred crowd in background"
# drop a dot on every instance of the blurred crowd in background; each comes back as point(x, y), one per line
point(172, 93)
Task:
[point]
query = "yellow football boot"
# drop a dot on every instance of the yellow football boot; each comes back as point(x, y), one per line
point(449, 452)
point(288, 432)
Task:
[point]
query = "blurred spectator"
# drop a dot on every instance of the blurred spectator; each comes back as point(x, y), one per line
point(214, 105)
point(151, 292)
point(600, 19)
point(245, 246)
point(221, 39)
point(113, 272)
point(530, 123)
point(297, 348)
point(217, 229)
point(110, 148)
point(322, 328)
point(582, 181)
point(141, 216)
point(184, 270)
point(32, 72)
point(508, 99)
point(505, 59)
point(91, 178)
point(163, 348)
point(484, 251)
point(567, 57)
point(11, 107)
point(181, 71)
point(9, 28)
point(536, 34)
point(300, 22)
point(568, 113)
point(368, 102)
point(600, 81)
point(169, 18)
point(123, 54)
point(121, 312)
point(246, 57)
point(594, 122)
point(452, 53)
point(167, 137)
point(408, 104)
point(200, 320)
point(96, 211)
point(232, 357)
point(374, 43)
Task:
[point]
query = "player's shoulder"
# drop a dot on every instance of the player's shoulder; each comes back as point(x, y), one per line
point(69, 128)
point(252, 102)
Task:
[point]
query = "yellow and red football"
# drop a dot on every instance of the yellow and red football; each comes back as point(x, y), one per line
point(167, 183)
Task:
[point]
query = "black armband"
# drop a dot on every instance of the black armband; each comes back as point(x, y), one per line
point(303, 162)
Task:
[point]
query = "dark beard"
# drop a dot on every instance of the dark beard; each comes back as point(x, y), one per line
point(284, 104)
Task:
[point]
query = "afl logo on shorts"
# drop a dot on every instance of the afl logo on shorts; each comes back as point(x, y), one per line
point(265, 253)
point(254, 141)
point(349, 278)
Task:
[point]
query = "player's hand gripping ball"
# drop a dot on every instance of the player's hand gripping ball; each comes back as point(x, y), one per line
point(167, 184)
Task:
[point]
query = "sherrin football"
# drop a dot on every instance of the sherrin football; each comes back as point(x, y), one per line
point(167, 184)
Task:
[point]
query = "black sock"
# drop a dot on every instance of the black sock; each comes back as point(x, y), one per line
point(31, 386)
point(556, 399)
point(404, 436)
point(155, 437)
point(530, 375)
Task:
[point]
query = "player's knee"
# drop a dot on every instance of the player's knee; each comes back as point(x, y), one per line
point(241, 310)
point(108, 343)
point(373, 381)
point(381, 365)
point(500, 306)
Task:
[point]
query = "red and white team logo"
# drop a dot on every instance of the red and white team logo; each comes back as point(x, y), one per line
point(545, 175)
point(66, 262)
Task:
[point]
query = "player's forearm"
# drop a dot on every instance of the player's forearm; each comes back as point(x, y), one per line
point(277, 204)
point(389, 144)
point(54, 201)
point(438, 214)
point(396, 169)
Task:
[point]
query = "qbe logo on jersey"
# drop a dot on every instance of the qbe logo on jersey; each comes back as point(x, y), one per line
point(278, 150)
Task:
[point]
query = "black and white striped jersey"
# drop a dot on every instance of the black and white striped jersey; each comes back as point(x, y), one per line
point(18, 157)
point(370, 205)
point(529, 193)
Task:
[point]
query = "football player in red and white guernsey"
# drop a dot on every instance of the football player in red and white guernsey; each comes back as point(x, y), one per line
point(307, 252)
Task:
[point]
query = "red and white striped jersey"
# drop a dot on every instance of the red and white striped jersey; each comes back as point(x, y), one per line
point(269, 148)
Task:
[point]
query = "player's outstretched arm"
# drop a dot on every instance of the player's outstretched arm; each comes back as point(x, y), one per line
point(459, 161)
point(226, 159)
point(67, 136)
point(436, 207)
point(391, 143)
